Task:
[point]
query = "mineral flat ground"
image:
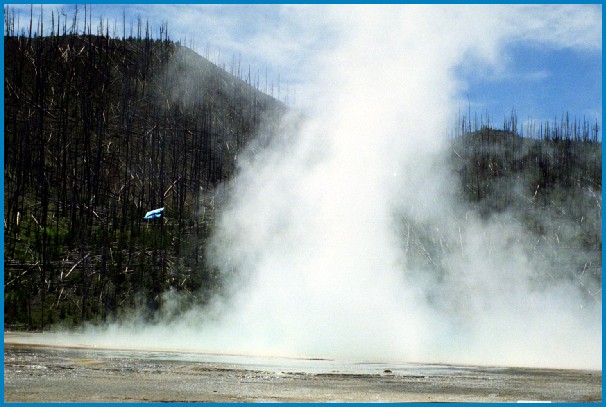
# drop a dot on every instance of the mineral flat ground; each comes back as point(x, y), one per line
point(40, 373)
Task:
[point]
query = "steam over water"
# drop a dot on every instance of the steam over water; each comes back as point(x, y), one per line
point(315, 236)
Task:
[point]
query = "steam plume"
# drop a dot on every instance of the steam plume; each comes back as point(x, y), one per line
point(313, 240)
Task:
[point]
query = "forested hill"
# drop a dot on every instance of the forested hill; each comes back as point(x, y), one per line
point(549, 184)
point(97, 132)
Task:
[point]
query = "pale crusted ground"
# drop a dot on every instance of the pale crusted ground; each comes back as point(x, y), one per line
point(43, 373)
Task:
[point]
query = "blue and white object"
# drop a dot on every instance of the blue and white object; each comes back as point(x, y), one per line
point(156, 213)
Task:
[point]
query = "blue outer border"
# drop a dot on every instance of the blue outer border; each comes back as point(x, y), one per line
point(248, 2)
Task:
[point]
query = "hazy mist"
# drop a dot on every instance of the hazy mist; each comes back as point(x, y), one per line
point(314, 240)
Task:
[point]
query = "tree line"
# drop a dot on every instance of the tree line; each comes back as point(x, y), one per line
point(542, 189)
point(547, 179)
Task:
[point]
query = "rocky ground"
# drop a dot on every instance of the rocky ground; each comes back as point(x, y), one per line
point(35, 373)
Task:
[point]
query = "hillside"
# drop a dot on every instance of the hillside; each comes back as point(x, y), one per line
point(97, 132)
point(551, 186)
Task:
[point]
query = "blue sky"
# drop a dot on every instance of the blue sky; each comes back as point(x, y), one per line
point(541, 83)
point(543, 67)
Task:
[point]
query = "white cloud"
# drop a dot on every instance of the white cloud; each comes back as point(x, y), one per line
point(577, 27)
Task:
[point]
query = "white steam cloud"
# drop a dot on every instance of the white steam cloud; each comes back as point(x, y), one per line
point(315, 231)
